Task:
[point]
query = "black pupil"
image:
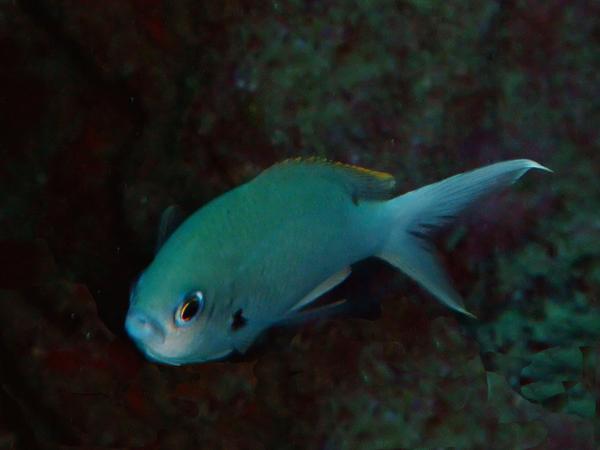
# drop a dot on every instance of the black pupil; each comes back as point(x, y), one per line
point(190, 309)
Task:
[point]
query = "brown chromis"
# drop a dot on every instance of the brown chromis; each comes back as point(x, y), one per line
point(260, 254)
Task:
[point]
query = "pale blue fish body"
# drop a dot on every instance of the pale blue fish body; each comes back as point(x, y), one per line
point(263, 252)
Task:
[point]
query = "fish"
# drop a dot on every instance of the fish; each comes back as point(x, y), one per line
point(262, 253)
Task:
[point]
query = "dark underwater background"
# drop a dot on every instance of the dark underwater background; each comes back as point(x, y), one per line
point(110, 111)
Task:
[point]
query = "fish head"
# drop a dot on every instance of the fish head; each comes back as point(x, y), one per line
point(174, 319)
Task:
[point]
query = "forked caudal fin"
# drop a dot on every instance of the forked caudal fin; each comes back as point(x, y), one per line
point(417, 213)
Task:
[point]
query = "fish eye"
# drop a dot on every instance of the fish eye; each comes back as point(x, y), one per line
point(191, 306)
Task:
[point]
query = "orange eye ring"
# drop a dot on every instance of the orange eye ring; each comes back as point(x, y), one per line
point(191, 307)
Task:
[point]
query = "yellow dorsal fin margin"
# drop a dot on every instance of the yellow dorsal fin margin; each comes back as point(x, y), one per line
point(362, 183)
point(383, 176)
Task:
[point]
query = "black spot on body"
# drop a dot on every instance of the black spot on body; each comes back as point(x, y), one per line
point(238, 320)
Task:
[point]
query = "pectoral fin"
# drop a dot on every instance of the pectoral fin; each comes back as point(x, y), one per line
point(170, 219)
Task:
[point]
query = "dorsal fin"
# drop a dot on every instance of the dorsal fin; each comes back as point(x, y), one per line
point(362, 183)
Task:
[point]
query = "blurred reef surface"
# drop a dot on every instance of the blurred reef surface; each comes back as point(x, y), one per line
point(111, 111)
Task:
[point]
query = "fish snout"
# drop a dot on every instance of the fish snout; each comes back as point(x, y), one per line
point(142, 327)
